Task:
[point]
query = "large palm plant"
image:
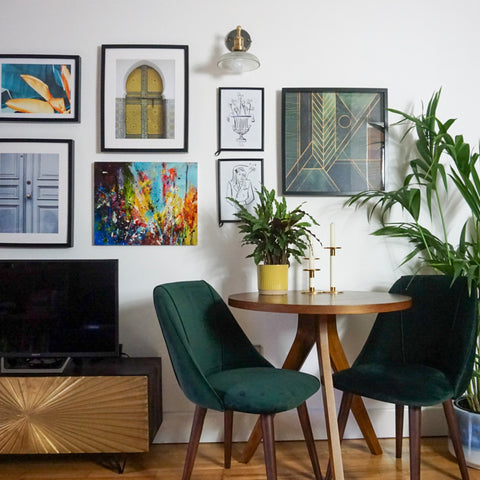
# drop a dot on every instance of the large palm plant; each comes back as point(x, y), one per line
point(442, 162)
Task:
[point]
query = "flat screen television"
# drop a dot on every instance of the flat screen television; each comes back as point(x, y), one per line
point(57, 309)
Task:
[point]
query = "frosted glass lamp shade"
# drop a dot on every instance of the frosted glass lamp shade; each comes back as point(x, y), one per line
point(238, 62)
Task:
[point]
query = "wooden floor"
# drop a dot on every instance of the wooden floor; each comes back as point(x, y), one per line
point(165, 462)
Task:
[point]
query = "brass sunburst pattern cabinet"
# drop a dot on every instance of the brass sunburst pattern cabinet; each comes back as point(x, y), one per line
point(108, 405)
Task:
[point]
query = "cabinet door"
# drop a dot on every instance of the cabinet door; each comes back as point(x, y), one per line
point(73, 414)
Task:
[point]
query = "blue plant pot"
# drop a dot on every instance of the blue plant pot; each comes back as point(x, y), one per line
point(469, 425)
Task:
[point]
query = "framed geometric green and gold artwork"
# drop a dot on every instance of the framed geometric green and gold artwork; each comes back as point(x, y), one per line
point(333, 140)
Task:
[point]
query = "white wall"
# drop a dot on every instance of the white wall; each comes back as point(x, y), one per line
point(410, 47)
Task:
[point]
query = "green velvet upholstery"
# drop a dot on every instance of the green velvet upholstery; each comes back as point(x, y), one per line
point(418, 357)
point(217, 367)
point(215, 364)
point(421, 356)
point(262, 390)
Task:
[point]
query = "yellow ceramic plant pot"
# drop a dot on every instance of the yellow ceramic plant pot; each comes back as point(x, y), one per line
point(272, 279)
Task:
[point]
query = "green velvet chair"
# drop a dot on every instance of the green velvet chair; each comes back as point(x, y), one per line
point(218, 368)
point(419, 357)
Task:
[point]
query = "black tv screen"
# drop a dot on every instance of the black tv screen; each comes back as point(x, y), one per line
point(58, 308)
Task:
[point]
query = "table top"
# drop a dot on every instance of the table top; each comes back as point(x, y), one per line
point(347, 302)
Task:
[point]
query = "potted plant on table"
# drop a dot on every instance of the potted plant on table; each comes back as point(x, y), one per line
point(443, 163)
point(277, 234)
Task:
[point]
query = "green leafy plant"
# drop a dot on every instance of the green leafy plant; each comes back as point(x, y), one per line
point(443, 162)
point(276, 232)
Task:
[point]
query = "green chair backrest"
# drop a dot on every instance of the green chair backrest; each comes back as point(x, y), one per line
point(440, 329)
point(202, 338)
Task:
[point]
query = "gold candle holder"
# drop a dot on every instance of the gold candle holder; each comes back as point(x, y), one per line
point(333, 289)
point(311, 275)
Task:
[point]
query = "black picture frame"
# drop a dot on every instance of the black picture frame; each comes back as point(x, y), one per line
point(39, 88)
point(241, 119)
point(36, 192)
point(151, 116)
point(333, 140)
point(238, 178)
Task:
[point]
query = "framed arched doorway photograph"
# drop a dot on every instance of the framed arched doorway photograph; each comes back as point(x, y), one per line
point(144, 98)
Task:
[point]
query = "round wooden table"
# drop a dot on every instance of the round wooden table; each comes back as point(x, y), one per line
point(317, 325)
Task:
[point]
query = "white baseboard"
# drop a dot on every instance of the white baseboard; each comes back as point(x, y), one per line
point(175, 427)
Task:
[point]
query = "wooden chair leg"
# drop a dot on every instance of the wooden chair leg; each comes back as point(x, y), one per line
point(197, 426)
point(399, 410)
point(309, 440)
point(227, 437)
point(343, 412)
point(455, 437)
point(268, 434)
point(415, 427)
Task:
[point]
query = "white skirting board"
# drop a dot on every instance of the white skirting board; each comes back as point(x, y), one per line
point(175, 427)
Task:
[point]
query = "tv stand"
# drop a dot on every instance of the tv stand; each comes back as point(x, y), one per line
point(108, 405)
point(34, 365)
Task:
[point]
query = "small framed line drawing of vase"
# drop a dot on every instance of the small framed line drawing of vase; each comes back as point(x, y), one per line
point(240, 119)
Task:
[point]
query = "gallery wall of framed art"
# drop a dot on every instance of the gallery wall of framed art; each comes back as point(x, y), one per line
point(295, 52)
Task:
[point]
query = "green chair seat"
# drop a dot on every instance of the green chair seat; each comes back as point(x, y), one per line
point(263, 390)
point(410, 384)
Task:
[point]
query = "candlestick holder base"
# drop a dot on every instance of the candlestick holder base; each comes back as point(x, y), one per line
point(311, 291)
point(332, 291)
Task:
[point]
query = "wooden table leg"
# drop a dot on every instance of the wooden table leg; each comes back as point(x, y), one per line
point(329, 406)
point(340, 362)
point(301, 347)
point(303, 343)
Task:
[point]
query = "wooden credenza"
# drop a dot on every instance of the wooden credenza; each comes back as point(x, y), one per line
point(108, 405)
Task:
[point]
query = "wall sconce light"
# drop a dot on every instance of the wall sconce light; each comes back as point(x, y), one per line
point(238, 60)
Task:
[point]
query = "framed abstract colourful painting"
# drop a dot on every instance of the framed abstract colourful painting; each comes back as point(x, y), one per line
point(145, 203)
point(40, 88)
point(333, 140)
